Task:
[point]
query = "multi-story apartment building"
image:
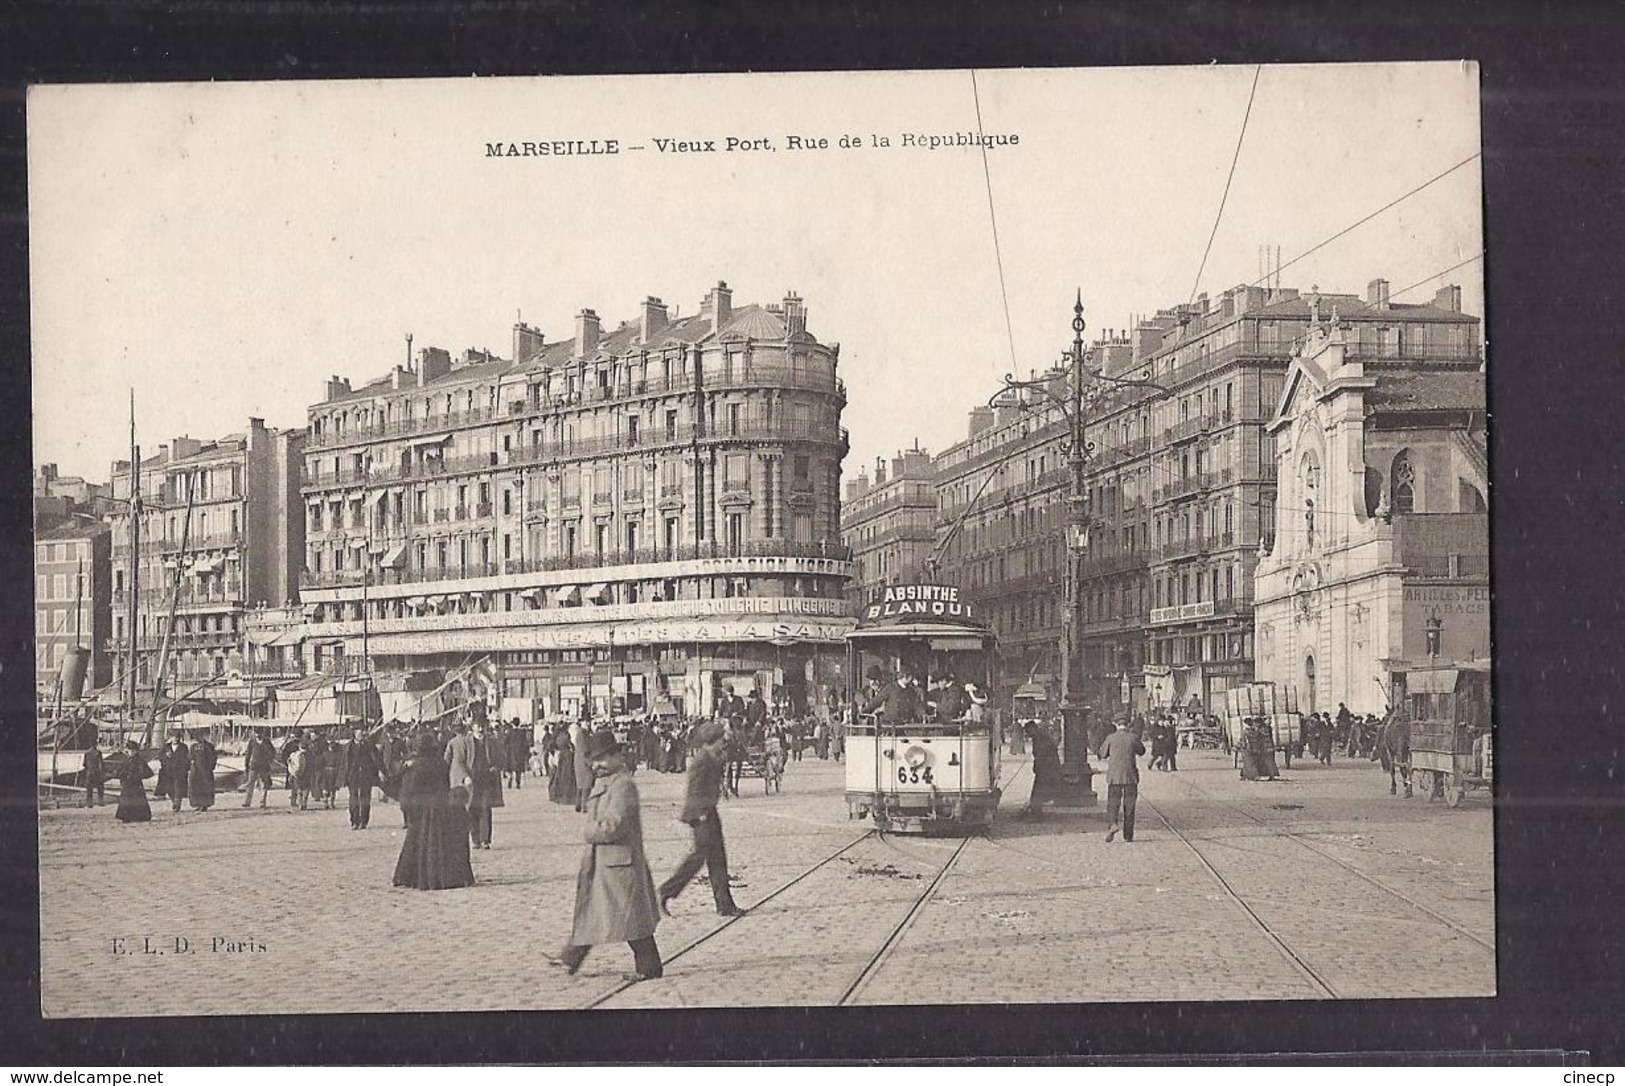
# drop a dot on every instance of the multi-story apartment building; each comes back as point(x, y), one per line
point(72, 601)
point(616, 520)
point(890, 523)
point(1001, 528)
point(221, 531)
point(1180, 489)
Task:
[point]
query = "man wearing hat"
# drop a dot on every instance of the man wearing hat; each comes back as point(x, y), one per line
point(615, 893)
point(1122, 778)
point(700, 812)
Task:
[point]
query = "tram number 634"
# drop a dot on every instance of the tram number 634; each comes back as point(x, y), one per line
point(907, 774)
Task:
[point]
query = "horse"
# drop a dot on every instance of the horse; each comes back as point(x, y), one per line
point(1393, 749)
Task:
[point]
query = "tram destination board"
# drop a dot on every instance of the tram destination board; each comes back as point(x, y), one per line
point(914, 603)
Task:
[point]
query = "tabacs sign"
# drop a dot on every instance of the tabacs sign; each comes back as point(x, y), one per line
point(918, 602)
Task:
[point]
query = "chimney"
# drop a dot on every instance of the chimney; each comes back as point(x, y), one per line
point(1448, 298)
point(857, 486)
point(917, 463)
point(433, 364)
point(653, 319)
point(182, 447)
point(980, 419)
point(1376, 293)
point(336, 387)
point(400, 378)
point(795, 313)
point(880, 471)
point(1005, 414)
point(587, 332)
point(718, 305)
point(897, 466)
point(527, 343)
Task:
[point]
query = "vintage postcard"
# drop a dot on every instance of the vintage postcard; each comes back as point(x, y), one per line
point(998, 536)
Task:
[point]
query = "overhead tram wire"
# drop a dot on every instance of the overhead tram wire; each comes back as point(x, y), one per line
point(998, 254)
point(1362, 221)
point(1240, 137)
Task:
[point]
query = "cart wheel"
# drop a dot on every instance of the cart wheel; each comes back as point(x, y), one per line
point(1452, 791)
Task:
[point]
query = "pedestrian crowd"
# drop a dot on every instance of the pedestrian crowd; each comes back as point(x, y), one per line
point(448, 776)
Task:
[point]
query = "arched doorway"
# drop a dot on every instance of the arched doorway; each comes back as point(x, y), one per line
point(1309, 681)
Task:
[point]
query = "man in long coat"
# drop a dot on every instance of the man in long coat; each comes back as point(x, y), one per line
point(486, 757)
point(95, 778)
point(460, 753)
point(580, 737)
point(200, 785)
point(615, 892)
point(177, 763)
point(363, 769)
point(257, 762)
point(1122, 778)
point(704, 786)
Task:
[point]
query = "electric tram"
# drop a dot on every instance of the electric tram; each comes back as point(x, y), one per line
point(922, 745)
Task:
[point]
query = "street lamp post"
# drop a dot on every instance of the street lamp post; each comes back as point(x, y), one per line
point(1075, 769)
point(1084, 388)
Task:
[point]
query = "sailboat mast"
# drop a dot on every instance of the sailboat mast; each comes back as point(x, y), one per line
point(174, 604)
point(135, 563)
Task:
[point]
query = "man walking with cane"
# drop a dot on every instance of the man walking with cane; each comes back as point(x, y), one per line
point(700, 812)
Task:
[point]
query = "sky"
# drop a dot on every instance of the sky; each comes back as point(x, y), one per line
point(222, 249)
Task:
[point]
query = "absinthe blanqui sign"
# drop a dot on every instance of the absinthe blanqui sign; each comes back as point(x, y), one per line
point(913, 602)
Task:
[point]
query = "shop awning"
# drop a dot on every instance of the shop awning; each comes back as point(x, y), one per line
point(288, 637)
point(570, 593)
point(395, 557)
point(530, 594)
point(1441, 681)
point(208, 565)
point(435, 601)
point(596, 592)
point(261, 640)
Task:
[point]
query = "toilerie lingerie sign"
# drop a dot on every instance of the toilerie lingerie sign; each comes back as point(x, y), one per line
point(918, 602)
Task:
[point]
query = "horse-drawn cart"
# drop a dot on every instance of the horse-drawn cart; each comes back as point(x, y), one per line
point(1448, 758)
point(1452, 749)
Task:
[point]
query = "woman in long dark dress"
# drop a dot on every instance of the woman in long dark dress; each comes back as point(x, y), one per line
point(200, 786)
point(561, 784)
point(435, 854)
point(132, 794)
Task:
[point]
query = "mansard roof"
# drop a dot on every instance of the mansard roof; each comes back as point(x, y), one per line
point(1413, 390)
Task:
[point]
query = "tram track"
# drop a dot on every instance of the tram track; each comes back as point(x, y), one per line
point(1303, 968)
point(1300, 839)
point(622, 986)
point(888, 946)
point(878, 961)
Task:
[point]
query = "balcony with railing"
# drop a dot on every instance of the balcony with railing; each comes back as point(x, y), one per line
point(1109, 564)
point(584, 561)
point(428, 424)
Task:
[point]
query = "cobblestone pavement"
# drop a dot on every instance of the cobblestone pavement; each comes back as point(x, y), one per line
point(1039, 911)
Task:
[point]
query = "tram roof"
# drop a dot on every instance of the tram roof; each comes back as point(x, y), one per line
point(894, 630)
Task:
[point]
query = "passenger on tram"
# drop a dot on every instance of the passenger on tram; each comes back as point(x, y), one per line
point(898, 702)
point(949, 700)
